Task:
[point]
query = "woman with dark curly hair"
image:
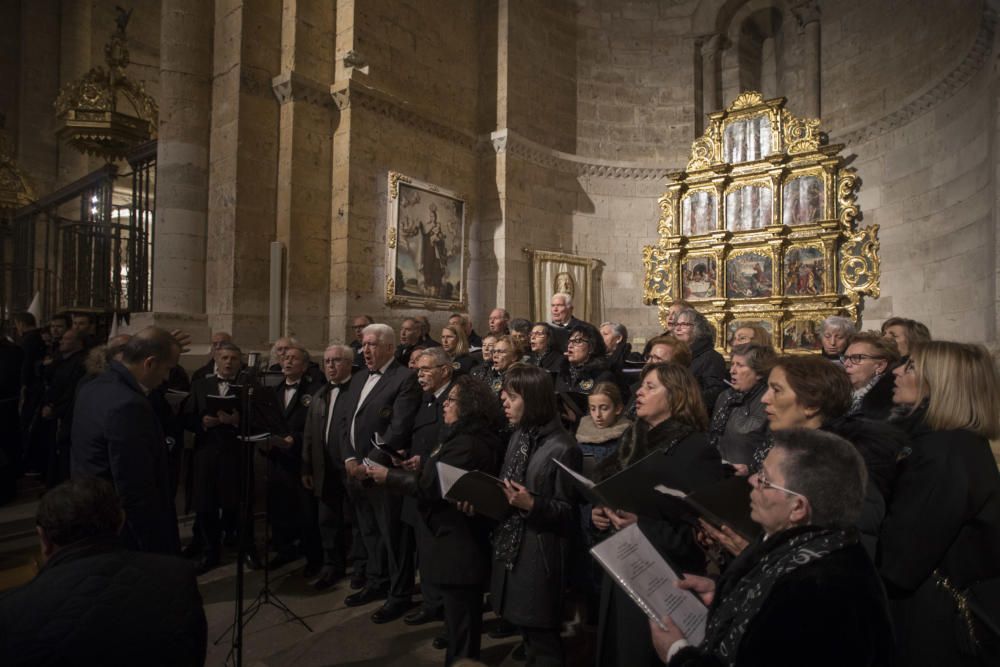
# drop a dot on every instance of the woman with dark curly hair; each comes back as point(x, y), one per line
point(454, 549)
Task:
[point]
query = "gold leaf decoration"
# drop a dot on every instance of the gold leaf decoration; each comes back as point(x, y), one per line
point(746, 100)
point(859, 262)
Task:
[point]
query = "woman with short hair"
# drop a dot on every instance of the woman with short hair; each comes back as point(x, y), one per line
point(905, 333)
point(941, 533)
point(739, 423)
point(834, 333)
point(707, 365)
point(530, 546)
point(545, 350)
point(805, 592)
point(869, 359)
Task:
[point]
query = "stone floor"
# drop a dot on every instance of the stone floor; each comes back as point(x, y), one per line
point(340, 635)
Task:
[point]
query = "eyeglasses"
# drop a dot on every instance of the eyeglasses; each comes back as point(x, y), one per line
point(855, 359)
point(424, 370)
point(764, 483)
point(578, 341)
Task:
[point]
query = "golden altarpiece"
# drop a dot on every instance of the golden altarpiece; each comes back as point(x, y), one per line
point(760, 228)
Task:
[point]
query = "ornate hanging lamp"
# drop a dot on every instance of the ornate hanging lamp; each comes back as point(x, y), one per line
point(15, 188)
point(88, 109)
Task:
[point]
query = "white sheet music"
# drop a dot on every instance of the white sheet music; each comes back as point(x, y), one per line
point(635, 564)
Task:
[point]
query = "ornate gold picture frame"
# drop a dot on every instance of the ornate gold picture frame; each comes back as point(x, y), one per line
point(761, 228)
point(426, 246)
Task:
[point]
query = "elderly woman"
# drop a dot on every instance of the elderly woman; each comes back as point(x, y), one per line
point(545, 351)
point(530, 545)
point(751, 333)
point(456, 346)
point(453, 548)
point(671, 419)
point(834, 333)
point(673, 310)
point(707, 365)
point(486, 371)
point(506, 352)
point(809, 392)
point(615, 337)
point(805, 593)
point(587, 362)
point(905, 333)
point(739, 424)
point(520, 330)
point(941, 533)
point(869, 360)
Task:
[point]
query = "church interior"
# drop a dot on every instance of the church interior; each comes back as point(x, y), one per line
point(278, 167)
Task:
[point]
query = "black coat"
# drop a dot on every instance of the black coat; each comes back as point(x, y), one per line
point(828, 613)
point(531, 593)
point(321, 457)
point(944, 515)
point(464, 363)
point(552, 361)
point(94, 603)
point(117, 436)
point(216, 470)
point(427, 424)
point(623, 632)
point(453, 549)
point(746, 428)
point(293, 423)
point(877, 403)
point(709, 368)
point(388, 410)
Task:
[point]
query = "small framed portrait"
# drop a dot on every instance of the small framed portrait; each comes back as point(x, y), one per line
point(698, 209)
point(749, 274)
point(426, 245)
point(803, 271)
point(802, 200)
point(749, 206)
point(801, 335)
point(699, 277)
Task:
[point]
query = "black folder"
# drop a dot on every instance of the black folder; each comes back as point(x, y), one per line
point(726, 502)
point(484, 492)
point(228, 404)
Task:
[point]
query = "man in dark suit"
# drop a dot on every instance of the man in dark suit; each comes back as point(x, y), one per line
point(117, 436)
point(288, 500)
point(410, 333)
point(462, 321)
point(434, 374)
point(95, 603)
point(383, 400)
point(561, 308)
point(358, 324)
point(218, 338)
point(61, 379)
point(322, 466)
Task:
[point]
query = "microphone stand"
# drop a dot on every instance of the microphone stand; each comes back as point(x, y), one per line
point(266, 595)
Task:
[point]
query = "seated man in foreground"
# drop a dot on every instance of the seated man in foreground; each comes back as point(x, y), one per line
point(94, 602)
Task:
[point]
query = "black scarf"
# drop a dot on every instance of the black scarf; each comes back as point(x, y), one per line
point(751, 577)
point(507, 539)
point(731, 400)
point(638, 441)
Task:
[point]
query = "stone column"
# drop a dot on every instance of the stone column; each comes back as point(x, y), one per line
point(808, 14)
point(710, 66)
point(182, 157)
point(305, 145)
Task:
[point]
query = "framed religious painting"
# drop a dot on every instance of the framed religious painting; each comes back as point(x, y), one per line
point(561, 272)
point(750, 273)
point(749, 206)
point(803, 199)
point(698, 212)
point(747, 139)
point(801, 335)
point(700, 277)
point(804, 271)
point(426, 245)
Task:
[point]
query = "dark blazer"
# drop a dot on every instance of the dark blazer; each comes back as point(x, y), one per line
point(454, 549)
point(427, 424)
point(531, 593)
point(746, 428)
point(552, 361)
point(94, 603)
point(293, 423)
point(828, 613)
point(117, 436)
point(944, 516)
point(463, 364)
point(877, 403)
point(321, 458)
point(388, 410)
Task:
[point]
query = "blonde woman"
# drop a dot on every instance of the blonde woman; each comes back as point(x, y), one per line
point(456, 346)
point(941, 533)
